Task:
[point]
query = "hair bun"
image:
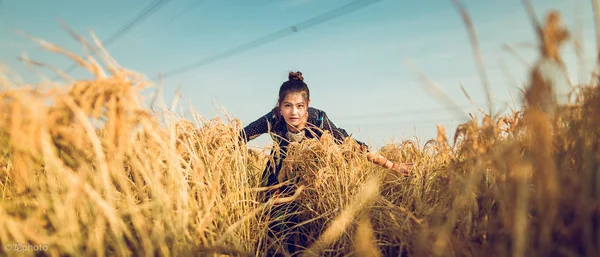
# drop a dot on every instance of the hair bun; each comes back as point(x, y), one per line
point(295, 76)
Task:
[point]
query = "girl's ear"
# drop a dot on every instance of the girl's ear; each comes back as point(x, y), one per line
point(308, 104)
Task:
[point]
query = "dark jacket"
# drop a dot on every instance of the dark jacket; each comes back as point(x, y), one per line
point(317, 123)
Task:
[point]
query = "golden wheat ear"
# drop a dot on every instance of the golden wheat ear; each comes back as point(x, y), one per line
point(365, 243)
point(92, 67)
point(363, 200)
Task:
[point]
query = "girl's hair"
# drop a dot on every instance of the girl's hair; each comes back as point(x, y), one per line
point(295, 84)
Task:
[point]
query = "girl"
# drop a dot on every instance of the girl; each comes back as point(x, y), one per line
point(291, 121)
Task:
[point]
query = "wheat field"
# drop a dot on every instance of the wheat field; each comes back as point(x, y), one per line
point(88, 169)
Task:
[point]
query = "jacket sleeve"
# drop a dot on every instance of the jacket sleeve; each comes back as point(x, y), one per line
point(256, 128)
point(338, 133)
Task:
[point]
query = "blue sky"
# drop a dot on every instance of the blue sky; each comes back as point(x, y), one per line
point(355, 65)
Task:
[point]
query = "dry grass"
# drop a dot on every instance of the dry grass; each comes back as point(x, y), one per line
point(88, 170)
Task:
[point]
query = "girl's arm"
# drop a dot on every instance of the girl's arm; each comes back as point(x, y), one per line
point(374, 157)
point(403, 168)
point(338, 133)
point(256, 128)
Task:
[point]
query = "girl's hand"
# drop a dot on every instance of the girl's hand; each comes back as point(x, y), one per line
point(402, 168)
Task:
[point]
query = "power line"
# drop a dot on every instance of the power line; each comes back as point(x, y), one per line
point(409, 123)
point(147, 12)
point(136, 20)
point(395, 113)
point(419, 111)
point(353, 6)
point(186, 10)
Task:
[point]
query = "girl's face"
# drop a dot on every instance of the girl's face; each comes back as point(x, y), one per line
point(294, 110)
